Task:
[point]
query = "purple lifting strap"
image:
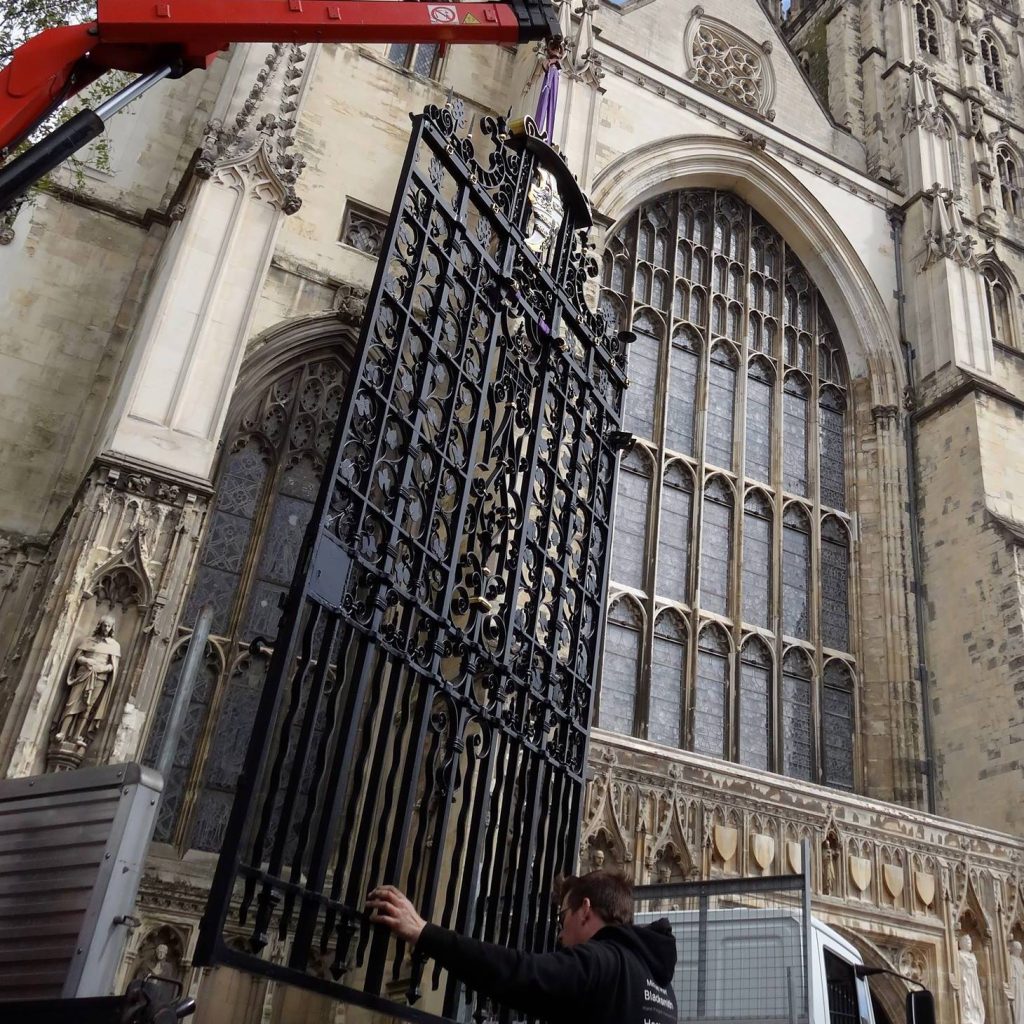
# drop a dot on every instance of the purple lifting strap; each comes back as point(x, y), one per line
point(547, 102)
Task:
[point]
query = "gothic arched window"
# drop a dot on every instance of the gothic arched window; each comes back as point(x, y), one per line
point(731, 529)
point(1008, 169)
point(267, 483)
point(991, 62)
point(927, 28)
point(998, 292)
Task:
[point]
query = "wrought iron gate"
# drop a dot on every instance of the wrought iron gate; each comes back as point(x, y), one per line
point(425, 716)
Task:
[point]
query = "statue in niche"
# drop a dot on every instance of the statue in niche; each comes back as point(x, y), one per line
point(546, 212)
point(1015, 988)
point(597, 859)
point(160, 964)
point(830, 857)
point(90, 684)
point(972, 1006)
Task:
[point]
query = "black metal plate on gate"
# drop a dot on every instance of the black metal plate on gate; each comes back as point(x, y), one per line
point(425, 716)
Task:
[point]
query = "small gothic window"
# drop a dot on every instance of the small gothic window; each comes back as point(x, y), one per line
point(991, 62)
point(621, 669)
point(760, 400)
point(1009, 180)
point(756, 584)
point(630, 543)
point(835, 584)
point(837, 725)
point(997, 293)
point(709, 698)
point(422, 58)
point(796, 573)
point(668, 680)
point(737, 511)
point(927, 28)
point(754, 704)
point(681, 400)
point(716, 547)
point(721, 405)
point(643, 368)
point(674, 534)
point(797, 749)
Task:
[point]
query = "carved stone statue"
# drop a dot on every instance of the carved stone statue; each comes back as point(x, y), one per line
point(597, 859)
point(157, 963)
point(546, 212)
point(1015, 988)
point(90, 684)
point(972, 1006)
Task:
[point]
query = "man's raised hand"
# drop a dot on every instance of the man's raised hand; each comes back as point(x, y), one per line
point(391, 907)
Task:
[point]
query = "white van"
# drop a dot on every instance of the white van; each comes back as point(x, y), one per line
point(744, 965)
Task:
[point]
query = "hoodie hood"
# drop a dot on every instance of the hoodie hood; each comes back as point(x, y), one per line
point(654, 944)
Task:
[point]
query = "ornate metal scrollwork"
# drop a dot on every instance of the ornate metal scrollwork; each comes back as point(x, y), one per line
point(427, 706)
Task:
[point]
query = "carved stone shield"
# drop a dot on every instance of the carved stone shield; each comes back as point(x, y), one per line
point(924, 884)
point(726, 838)
point(762, 848)
point(892, 875)
point(860, 872)
point(794, 857)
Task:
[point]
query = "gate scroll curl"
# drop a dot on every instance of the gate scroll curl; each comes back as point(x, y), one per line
point(427, 706)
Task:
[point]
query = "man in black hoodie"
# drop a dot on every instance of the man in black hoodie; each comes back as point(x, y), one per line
point(607, 972)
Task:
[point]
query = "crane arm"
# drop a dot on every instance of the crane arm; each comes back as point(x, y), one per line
point(144, 36)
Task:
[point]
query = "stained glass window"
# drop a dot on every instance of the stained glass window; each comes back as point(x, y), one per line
point(760, 388)
point(757, 559)
point(681, 399)
point(621, 669)
point(716, 546)
point(835, 584)
point(794, 437)
point(748, 372)
point(644, 357)
point(264, 495)
point(674, 534)
point(755, 705)
point(668, 679)
point(796, 571)
point(837, 724)
point(710, 693)
point(796, 716)
point(721, 405)
point(631, 509)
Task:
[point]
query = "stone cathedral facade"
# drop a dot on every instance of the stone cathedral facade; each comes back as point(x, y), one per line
point(813, 221)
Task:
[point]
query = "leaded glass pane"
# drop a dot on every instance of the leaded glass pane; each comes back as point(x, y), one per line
point(754, 705)
point(643, 384)
point(668, 677)
point(796, 575)
point(674, 536)
point(681, 401)
point(759, 424)
point(716, 548)
point(425, 58)
point(398, 53)
point(630, 537)
point(757, 554)
point(794, 435)
point(709, 698)
point(833, 466)
point(837, 723)
point(796, 718)
point(227, 752)
point(835, 586)
point(620, 671)
point(721, 406)
point(188, 740)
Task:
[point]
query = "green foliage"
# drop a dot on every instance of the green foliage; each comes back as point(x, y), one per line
point(21, 19)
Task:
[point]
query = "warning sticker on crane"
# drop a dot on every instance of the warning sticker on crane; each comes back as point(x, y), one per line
point(442, 14)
